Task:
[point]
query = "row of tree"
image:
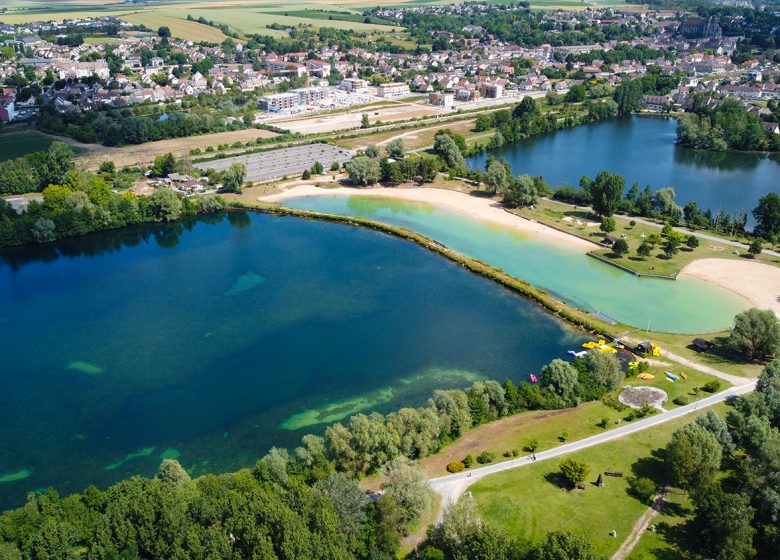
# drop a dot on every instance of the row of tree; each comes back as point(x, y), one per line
point(34, 172)
point(737, 514)
point(367, 442)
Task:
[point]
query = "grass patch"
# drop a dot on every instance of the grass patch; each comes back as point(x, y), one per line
point(579, 222)
point(179, 26)
point(661, 543)
point(718, 358)
point(528, 502)
point(17, 144)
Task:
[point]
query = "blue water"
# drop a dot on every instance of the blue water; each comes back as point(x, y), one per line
point(206, 340)
point(685, 305)
point(643, 150)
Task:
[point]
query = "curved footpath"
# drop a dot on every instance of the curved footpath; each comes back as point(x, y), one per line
point(451, 487)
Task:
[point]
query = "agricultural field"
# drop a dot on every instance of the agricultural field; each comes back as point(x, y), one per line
point(179, 26)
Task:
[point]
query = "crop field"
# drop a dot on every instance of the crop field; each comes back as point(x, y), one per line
point(179, 26)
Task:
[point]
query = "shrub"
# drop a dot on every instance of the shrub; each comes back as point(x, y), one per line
point(682, 400)
point(632, 223)
point(603, 423)
point(573, 471)
point(468, 461)
point(335, 166)
point(306, 175)
point(485, 457)
point(507, 453)
point(711, 386)
point(642, 488)
point(515, 453)
point(455, 467)
point(611, 400)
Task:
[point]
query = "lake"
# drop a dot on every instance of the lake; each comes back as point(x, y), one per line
point(643, 150)
point(685, 305)
point(211, 340)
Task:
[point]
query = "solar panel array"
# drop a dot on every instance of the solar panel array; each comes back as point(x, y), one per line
point(278, 163)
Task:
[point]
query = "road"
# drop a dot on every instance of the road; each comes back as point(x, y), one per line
point(452, 486)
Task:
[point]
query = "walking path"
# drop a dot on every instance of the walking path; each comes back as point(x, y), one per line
point(641, 525)
point(452, 486)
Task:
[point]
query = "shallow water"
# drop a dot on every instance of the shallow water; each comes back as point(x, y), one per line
point(212, 340)
point(684, 305)
point(643, 150)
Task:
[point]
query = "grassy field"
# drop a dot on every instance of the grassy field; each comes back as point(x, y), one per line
point(529, 502)
point(548, 426)
point(584, 224)
point(14, 144)
point(657, 544)
point(413, 139)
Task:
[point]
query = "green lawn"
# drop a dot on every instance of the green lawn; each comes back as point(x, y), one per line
point(660, 543)
point(584, 224)
point(15, 144)
point(548, 426)
point(528, 502)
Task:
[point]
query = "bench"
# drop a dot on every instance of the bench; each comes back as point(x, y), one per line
point(614, 473)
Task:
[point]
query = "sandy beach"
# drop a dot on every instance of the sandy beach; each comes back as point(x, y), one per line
point(757, 282)
point(478, 208)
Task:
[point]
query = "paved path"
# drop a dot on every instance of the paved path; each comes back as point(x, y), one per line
point(452, 486)
point(686, 231)
point(641, 525)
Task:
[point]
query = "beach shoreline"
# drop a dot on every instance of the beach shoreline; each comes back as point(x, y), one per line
point(479, 208)
point(757, 282)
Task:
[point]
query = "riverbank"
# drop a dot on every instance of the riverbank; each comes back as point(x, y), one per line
point(759, 283)
point(478, 208)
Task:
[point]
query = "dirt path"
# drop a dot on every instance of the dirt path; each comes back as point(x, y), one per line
point(641, 526)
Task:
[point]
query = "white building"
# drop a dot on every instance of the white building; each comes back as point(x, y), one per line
point(393, 89)
point(354, 85)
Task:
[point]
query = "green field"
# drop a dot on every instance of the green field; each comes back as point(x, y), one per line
point(528, 502)
point(15, 144)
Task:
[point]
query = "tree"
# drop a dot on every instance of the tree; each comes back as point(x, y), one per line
point(363, 170)
point(521, 191)
point(560, 376)
point(564, 546)
point(620, 247)
point(172, 472)
point(671, 247)
point(723, 525)
point(43, 230)
point(58, 161)
point(164, 165)
point(407, 483)
point(642, 488)
point(107, 167)
point(663, 202)
point(164, 32)
point(692, 242)
point(605, 369)
point(756, 334)
point(372, 151)
point(317, 168)
point(767, 215)
point(164, 205)
point(607, 225)
point(306, 175)
point(573, 471)
point(348, 500)
point(396, 149)
point(364, 123)
point(606, 191)
point(444, 145)
point(717, 426)
point(496, 176)
point(233, 177)
point(335, 166)
point(693, 457)
point(755, 248)
point(644, 249)
point(526, 108)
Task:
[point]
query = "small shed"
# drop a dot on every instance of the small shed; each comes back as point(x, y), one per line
point(701, 345)
point(644, 348)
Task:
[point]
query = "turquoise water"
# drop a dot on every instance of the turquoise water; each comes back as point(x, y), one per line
point(644, 150)
point(212, 340)
point(684, 305)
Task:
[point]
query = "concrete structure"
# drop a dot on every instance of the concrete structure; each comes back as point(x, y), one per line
point(354, 85)
point(294, 98)
point(441, 99)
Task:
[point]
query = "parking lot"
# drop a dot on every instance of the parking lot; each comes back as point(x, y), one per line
point(279, 163)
